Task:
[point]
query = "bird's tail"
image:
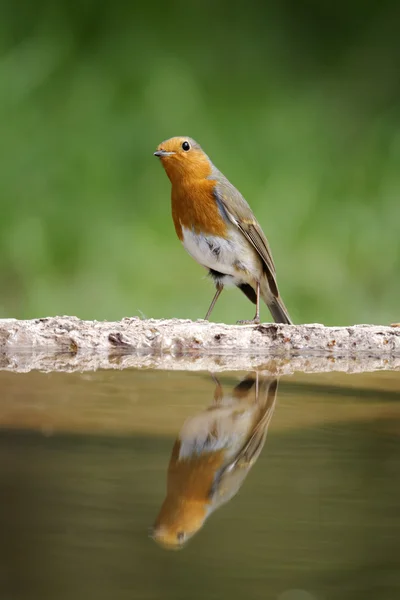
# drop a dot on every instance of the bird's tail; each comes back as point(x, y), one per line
point(276, 306)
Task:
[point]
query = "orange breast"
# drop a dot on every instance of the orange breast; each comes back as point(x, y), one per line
point(194, 207)
point(193, 477)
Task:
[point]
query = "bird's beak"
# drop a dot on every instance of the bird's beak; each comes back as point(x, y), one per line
point(162, 153)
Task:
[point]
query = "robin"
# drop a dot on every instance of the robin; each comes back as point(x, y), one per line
point(212, 456)
point(218, 228)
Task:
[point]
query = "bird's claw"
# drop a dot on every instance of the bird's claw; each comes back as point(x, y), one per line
point(255, 321)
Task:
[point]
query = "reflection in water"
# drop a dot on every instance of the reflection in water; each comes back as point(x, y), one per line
point(318, 517)
point(212, 456)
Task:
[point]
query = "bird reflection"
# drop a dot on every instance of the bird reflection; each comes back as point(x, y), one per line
point(212, 456)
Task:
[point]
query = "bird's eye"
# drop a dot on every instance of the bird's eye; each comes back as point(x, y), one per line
point(180, 536)
point(186, 146)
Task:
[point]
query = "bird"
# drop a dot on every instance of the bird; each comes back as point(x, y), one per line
point(212, 457)
point(218, 228)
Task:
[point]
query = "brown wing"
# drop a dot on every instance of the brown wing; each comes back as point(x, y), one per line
point(251, 450)
point(240, 214)
point(233, 474)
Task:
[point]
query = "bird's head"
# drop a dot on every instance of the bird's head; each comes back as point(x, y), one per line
point(183, 158)
point(177, 522)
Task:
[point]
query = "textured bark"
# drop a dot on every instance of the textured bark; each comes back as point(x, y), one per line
point(68, 344)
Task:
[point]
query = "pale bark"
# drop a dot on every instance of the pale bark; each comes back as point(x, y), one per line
point(68, 344)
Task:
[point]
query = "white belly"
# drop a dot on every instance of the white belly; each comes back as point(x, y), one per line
point(232, 256)
point(225, 427)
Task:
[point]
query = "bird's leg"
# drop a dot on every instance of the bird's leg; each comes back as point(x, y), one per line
point(257, 386)
point(220, 287)
point(257, 315)
point(218, 393)
point(256, 319)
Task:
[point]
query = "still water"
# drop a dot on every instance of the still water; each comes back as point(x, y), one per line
point(282, 489)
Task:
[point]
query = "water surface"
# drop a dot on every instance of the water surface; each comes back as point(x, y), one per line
point(83, 470)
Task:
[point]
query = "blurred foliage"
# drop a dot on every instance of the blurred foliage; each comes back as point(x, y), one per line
point(298, 104)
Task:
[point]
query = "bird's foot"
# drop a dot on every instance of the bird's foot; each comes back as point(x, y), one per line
point(255, 321)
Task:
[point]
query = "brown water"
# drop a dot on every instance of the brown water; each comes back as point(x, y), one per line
point(83, 470)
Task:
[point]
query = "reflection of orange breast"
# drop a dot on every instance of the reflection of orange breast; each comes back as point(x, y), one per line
point(194, 207)
point(193, 477)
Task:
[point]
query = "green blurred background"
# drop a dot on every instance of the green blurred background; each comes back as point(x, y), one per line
point(297, 103)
